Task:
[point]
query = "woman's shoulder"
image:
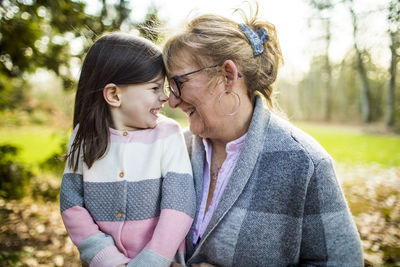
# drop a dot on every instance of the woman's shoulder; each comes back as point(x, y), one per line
point(290, 137)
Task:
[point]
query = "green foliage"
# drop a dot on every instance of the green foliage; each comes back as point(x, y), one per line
point(12, 258)
point(46, 189)
point(33, 35)
point(10, 97)
point(41, 152)
point(55, 163)
point(149, 28)
point(37, 34)
point(15, 177)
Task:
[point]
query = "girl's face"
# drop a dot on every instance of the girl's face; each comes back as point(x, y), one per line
point(140, 105)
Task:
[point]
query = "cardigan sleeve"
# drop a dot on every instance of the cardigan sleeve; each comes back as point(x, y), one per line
point(329, 234)
point(96, 248)
point(177, 205)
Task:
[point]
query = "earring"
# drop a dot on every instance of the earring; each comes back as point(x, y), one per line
point(237, 101)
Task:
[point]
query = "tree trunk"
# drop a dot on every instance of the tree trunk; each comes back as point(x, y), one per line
point(328, 69)
point(393, 20)
point(365, 91)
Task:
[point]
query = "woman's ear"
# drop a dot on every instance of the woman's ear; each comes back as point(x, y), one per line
point(111, 94)
point(230, 72)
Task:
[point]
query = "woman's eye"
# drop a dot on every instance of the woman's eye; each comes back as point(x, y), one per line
point(156, 88)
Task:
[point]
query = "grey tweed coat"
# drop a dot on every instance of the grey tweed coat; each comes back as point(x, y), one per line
point(283, 205)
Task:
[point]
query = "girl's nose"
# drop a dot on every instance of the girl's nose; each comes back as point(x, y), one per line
point(163, 97)
point(173, 101)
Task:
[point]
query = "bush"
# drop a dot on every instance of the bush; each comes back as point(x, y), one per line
point(46, 189)
point(15, 177)
point(12, 258)
point(55, 163)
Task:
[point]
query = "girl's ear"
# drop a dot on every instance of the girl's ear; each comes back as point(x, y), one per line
point(230, 72)
point(111, 94)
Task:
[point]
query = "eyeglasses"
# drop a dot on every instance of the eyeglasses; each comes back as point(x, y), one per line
point(175, 86)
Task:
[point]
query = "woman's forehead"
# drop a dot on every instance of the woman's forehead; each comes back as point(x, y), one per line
point(184, 61)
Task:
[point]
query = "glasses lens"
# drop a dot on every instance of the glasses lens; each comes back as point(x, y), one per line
point(173, 88)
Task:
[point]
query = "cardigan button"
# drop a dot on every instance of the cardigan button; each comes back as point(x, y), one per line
point(121, 174)
point(119, 214)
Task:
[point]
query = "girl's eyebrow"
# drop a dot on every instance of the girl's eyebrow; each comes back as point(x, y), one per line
point(158, 82)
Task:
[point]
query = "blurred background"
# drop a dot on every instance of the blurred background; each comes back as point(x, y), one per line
point(340, 83)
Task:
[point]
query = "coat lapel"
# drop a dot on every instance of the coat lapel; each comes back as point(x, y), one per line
point(244, 166)
point(197, 159)
point(198, 167)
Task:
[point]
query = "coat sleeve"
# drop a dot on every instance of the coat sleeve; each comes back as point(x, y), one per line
point(177, 205)
point(329, 234)
point(96, 248)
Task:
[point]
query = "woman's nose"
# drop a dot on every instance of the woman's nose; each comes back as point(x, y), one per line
point(173, 101)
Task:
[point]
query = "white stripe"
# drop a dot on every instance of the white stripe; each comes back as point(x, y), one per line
point(140, 161)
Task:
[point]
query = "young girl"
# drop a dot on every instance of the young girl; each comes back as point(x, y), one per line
point(127, 193)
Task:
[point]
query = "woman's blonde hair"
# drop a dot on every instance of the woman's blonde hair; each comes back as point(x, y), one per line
point(212, 39)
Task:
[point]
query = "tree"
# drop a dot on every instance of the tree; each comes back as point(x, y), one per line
point(37, 34)
point(365, 87)
point(149, 28)
point(394, 33)
point(324, 8)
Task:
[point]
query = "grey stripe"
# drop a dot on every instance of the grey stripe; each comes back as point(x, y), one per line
point(133, 200)
point(71, 193)
point(149, 258)
point(250, 239)
point(92, 245)
point(178, 193)
point(277, 185)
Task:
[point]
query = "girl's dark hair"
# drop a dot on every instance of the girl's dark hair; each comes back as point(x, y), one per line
point(114, 58)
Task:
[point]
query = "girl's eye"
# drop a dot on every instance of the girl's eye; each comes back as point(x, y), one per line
point(156, 88)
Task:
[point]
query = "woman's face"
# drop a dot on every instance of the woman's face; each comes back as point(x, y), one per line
point(198, 101)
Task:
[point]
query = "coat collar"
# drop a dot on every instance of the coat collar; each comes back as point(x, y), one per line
point(242, 171)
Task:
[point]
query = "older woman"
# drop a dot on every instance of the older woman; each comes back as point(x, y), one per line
point(267, 194)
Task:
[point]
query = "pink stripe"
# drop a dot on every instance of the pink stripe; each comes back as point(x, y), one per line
point(130, 236)
point(114, 229)
point(171, 230)
point(109, 256)
point(79, 224)
point(182, 247)
point(164, 128)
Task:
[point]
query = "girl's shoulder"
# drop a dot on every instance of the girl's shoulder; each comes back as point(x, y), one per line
point(167, 124)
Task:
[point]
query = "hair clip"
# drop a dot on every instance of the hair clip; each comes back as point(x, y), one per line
point(257, 39)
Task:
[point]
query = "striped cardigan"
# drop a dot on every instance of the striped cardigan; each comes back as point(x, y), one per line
point(136, 204)
point(282, 206)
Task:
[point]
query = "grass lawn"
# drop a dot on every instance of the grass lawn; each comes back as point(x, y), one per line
point(346, 145)
point(352, 146)
point(35, 143)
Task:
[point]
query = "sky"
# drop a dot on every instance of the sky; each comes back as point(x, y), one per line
point(298, 26)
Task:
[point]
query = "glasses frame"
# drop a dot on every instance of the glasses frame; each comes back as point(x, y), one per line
point(179, 83)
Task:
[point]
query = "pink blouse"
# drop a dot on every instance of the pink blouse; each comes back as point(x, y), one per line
point(233, 149)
